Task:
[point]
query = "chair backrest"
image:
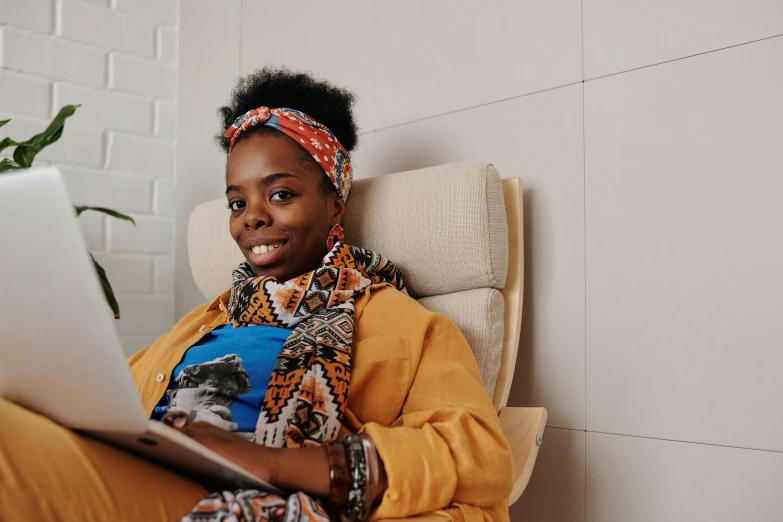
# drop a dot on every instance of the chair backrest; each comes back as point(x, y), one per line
point(447, 228)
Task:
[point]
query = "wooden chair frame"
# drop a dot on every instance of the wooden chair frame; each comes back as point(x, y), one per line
point(523, 427)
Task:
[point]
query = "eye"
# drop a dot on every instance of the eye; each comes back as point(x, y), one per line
point(281, 195)
point(236, 205)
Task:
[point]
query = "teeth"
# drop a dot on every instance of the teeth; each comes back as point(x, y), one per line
point(263, 249)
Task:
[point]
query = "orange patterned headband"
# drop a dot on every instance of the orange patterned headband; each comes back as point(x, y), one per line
point(315, 138)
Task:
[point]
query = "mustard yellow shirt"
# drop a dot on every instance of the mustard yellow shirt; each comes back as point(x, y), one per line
point(415, 389)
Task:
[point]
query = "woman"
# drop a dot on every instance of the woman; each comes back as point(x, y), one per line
point(318, 342)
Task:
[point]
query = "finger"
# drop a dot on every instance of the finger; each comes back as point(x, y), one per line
point(176, 419)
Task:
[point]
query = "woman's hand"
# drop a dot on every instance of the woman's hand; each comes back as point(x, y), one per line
point(252, 457)
point(305, 469)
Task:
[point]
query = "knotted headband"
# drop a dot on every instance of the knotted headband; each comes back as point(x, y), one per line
point(315, 138)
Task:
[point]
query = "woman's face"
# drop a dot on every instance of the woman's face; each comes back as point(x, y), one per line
point(279, 216)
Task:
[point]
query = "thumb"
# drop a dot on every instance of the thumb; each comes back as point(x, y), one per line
point(176, 419)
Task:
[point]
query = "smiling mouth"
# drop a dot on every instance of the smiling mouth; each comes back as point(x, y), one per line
point(262, 255)
point(263, 249)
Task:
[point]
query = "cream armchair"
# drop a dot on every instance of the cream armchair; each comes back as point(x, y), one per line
point(455, 231)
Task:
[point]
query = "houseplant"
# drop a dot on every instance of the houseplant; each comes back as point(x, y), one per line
point(23, 156)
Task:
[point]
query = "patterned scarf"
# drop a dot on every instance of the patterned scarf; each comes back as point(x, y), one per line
point(307, 392)
point(305, 400)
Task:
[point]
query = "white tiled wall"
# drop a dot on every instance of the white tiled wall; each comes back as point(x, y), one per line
point(440, 56)
point(684, 249)
point(647, 135)
point(649, 480)
point(119, 61)
point(620, 35)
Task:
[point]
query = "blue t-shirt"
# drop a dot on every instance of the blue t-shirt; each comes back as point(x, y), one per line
point(222, 379)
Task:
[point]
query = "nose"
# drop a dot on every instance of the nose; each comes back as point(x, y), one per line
point(256, 216)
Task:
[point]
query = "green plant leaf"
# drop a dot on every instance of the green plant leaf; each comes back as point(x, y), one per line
point(31, 147)
point(8, 164)
point(24, 156)
point(3, 122)
point(7, 142)
point(107, 289)
point(53, 132)
point(113, 213)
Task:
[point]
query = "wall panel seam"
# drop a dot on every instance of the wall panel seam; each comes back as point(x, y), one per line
point(683, 58)
point(746, 448)
point(455, 111)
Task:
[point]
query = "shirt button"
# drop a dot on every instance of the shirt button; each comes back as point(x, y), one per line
point(160, 377)
point(202, 328)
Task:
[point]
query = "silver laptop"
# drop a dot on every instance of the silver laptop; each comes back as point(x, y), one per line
point(59, 350)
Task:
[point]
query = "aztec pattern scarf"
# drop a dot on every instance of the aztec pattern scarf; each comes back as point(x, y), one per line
point(251, 505)
point(308, 389)
point(306, 395)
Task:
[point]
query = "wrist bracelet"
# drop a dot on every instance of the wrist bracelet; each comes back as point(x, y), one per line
point(375, 488)
point(339, 479)
point(356, 507)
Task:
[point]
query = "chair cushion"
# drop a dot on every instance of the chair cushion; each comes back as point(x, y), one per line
point(444, 227)
point(213, 252)
point(479, 316)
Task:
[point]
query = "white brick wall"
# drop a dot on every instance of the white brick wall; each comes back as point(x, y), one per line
point(99, 188)
point(35, 15)
point(145, 156)
point(119, 60)
point(24, 94)
point(110, 110)
point(168, 44)
point(151, 235)
point(164, 275)
point(144, 77)
point(165, 119)
point(163, 12)
point(104, 28)
point(52, 58)
point(163, 199)
point(131, 274)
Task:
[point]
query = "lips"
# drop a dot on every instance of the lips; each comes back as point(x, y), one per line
point(264, 252)
point(250, 243)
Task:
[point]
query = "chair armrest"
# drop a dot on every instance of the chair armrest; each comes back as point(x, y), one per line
point(524, 429)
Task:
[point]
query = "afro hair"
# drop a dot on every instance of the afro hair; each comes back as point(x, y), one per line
point(273, 87)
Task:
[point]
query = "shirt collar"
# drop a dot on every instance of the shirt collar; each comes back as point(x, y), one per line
point(220, 301)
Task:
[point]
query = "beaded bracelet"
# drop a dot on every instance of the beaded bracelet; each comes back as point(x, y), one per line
point(356, 507)
point(376, 474)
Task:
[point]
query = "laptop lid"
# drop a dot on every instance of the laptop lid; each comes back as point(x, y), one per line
point(59, 350)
